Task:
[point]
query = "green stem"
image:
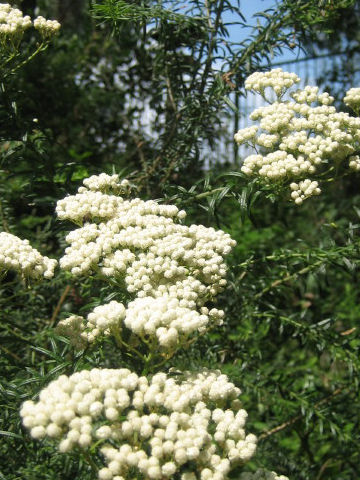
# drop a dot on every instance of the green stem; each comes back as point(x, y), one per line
point(121, 343)
point(90, 461)
point(160, 364)
point(3, 219)
point(280, 281)
point(202, 195)
point(147, 367)
point(42, 47)
point(8, 60)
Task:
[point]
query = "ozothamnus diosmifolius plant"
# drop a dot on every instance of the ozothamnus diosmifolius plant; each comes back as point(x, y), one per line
point(13, 25)
point(301, 141)
point(147, 424)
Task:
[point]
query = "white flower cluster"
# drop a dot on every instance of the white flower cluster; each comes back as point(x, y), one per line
point(101, 321)
point(298, 138)
point(162, 318)
point(246, 134)
point(104, 182)
point(167, 320)
point(311, 94)
point(173, 269)
point(262, 474)
point(89, 204)
point(155, 426)
point(352, 98)
point(303, 190)
point(354, 162)
point(13, 23)
point(46, 27)
point(18, 255)
point(277, 79)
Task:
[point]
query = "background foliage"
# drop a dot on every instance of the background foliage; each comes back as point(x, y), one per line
point(144, 89)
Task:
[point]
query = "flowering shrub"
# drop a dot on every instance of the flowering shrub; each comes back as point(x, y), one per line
point(13, 25)
point(114, 90)
point(171, 268)
point(13, 52)
point(298, 141)
point(184, 424)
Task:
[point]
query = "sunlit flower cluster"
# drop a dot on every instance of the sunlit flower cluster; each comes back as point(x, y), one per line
point(298, 138)
point(12, 21)
point(13, 24)
point(303, 190)
point(172, 269)
point(18, 255)
point(262, 474)
point(165, 319)
point(103, 320)
point(152, 428)
point(143, 242)
point(88, 204)
point(104, 183)
point(352, 98)
point(354, 162)
point(277, 79)
point(246, 134)
point(46, 27)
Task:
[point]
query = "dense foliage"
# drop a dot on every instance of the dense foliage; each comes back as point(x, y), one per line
point(145, 90)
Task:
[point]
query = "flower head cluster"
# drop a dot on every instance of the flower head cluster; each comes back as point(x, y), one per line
point(18, 255)
point(262, 474)
point(354, 162)
point(47, 28)
point(352, 99)
point(171, 268)
point(276, 79)
point(104, 183)
point(311, 94)
point(12, 21)
point(152, 427)
point(13, 24)
point(296, 137)
point(103, 320)
point(165, 319)
point(303, 190)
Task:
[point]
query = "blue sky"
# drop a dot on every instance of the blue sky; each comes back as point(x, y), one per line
point(248, 8)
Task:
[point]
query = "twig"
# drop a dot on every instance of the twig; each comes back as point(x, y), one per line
point(17, 358)
point(42, 47)
point(90, 461)
point(170, 92)
point(3, 219)
point(280, 281)
point(120, 343)
point(323, 468)
point(59, 305)
point(202, 195)
point(298, 417)
point(139, 144)
point(212, 41)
